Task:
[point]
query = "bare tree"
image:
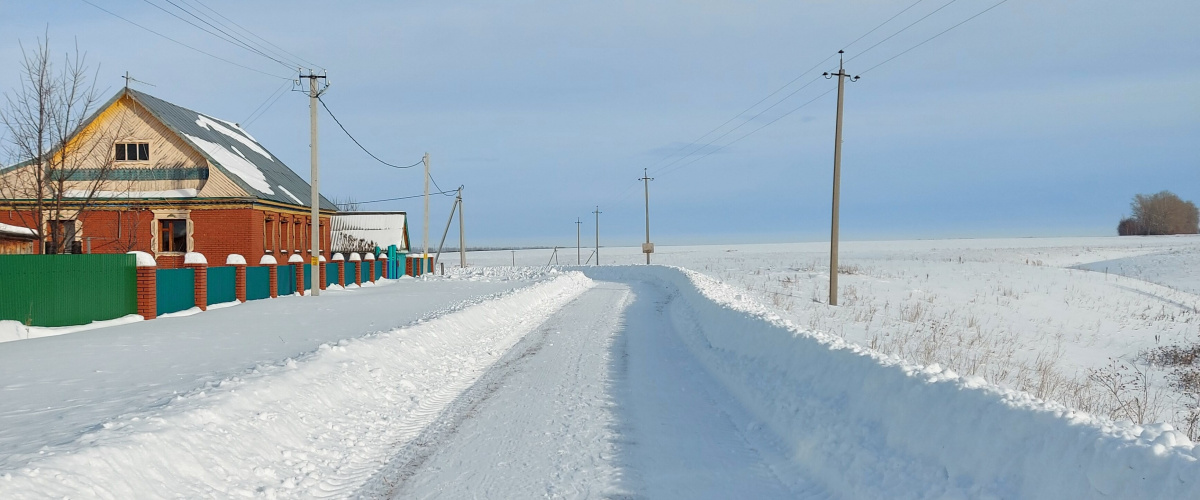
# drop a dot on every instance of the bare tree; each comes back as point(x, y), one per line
point(1165, 213)
point(65, 165)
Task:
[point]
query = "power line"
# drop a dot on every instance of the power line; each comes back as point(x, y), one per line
point(864, 35)
point(439, 188)
point(231, 40)
point(752, 132)
point(902, 30)
point(251, 33)
point(947, 30)
point(396, 199)
point(360, 146)
point(274, 97)
point(184, 44)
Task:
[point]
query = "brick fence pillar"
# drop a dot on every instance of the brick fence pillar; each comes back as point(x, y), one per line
point(199, 266)
point(384, 262)
point(370, 258)
point(239, 275)
point(321, 273)
point(297, 263)
point(272, 273)
point(341, 263)
point(354, 257)
point(147, 285)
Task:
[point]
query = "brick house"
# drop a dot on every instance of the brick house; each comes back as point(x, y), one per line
point(181, 181)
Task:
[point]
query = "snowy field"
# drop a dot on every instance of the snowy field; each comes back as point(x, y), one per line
point(951, 369)
point(1032, 314)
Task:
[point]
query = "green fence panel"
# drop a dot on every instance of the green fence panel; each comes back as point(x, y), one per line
point(60, 290)
point(176, 290)
point(258, 283)
point(379, 269)
point(351, 268)
point(287, 280)
point(331, 274)
point(222, 285)
point(305, 285)
point(366, 271)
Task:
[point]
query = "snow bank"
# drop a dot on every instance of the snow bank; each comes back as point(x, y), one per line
point(15, 330)
point(314, 427)
point(872, 426)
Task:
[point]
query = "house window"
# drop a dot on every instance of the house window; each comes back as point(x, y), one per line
point(133, 151)
point(172, 235)
point(267, 234)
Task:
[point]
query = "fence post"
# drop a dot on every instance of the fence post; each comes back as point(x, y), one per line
point(239, 275)
point(370, 257)
point(147, 285)
point(383, 261)
point(272, 273)
point(297, 263)
point(321, 272)
point(354, 257)
point(199, 266)
point(341, 263)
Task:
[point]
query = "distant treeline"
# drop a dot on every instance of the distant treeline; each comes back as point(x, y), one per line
point(1160, 213)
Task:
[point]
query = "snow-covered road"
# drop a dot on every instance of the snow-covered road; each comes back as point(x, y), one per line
point(644, 382)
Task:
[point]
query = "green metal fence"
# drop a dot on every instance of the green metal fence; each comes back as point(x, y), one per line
point(331, 274)
point(222, 285)
point(304, 284)
point(59, 290)
point(176, 290)
point(286, 280)
point(258, 283)
point(351, 268)
point(365, 271)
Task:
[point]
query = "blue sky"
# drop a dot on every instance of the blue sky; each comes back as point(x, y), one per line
point(1034, 119)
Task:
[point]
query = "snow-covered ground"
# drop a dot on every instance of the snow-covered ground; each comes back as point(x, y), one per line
point(730, 379)
point(1035, 314)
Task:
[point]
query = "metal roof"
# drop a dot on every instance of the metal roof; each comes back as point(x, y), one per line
point(234, 151)
point(352, 230)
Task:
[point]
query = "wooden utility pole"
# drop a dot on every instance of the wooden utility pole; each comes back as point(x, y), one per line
point(647, 248)
point(837, 179)
point(597, 212)
point(314, 275)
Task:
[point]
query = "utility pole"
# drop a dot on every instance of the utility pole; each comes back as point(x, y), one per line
point(425, 254)
point(597, 212)
point(837, 179)
point(578, 254)
point(462, 238)
point(647, 248)
point(314, 94)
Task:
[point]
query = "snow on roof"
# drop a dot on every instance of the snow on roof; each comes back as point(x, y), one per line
point(235, 163)
point(17, 231)
point(240, 136)
point(231, 149)
point(363, 230)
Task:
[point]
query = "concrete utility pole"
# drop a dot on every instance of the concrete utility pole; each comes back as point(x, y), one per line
point(647, 248)
point(462, 238)
point(578, 254)
point(425, 254)
point(837, 179)
point(597, 212)
point(314, 94)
